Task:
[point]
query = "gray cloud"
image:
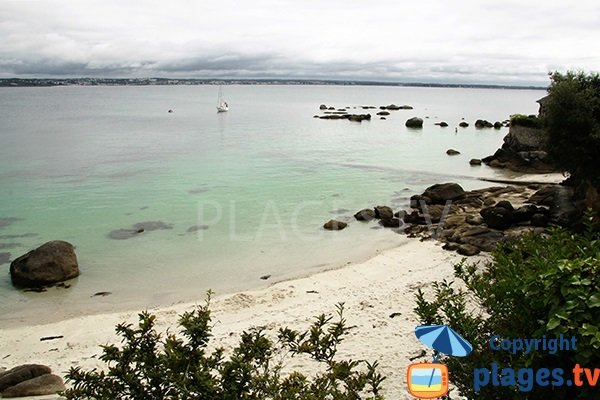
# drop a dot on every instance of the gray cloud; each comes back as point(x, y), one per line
point(461, 41)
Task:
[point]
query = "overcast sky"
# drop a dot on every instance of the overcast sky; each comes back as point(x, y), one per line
point(461, 41)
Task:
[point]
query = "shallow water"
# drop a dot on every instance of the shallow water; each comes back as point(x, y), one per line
point(223, 198)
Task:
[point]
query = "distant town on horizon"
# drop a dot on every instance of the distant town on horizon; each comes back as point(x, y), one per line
point(88, 81)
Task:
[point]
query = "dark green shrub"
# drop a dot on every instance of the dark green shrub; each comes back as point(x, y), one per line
point(540, 285)
point(529, 121)
point(181, 367)
point(572, 114)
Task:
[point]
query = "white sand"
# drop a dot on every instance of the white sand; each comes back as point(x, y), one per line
point(371, 291)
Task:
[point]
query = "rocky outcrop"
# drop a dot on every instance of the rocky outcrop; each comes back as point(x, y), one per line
point(414, 122)
point(559, 199)
point(476, 221)
point(29, 380)
point(463, 124)
point(523, 150)
point(50, 263)
point(333, 225)
point(473, 221)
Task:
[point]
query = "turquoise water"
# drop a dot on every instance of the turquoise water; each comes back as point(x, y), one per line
point(77, 163)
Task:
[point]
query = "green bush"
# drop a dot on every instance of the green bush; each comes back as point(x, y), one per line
point(529, 121)
point(539, 285)
point(181, 367)
point(572, 113)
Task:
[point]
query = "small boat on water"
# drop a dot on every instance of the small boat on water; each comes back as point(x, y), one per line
point(222, 105)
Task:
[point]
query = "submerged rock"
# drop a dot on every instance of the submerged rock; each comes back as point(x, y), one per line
point(452, 152)
point(4, 258)
point(140, 227)
point(197, 228)
point(50, 263)
point(8, 221)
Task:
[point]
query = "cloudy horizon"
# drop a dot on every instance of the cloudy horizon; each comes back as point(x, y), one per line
point(467, 41)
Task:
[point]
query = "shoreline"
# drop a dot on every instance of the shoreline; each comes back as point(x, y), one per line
point(370, 295)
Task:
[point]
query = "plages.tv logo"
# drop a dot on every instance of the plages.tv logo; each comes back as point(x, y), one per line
point(430, 380)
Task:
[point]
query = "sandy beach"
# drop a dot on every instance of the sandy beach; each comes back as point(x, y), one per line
point(372, 291)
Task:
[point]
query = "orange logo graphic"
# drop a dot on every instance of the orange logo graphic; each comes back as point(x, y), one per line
point(427, 380)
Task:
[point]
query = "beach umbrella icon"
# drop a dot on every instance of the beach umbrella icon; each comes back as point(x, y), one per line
point(443, 339)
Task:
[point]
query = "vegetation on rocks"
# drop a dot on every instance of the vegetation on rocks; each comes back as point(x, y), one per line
point(528, 121)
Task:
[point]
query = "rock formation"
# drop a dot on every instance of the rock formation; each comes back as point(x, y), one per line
point(50, 263)
point(523, 149)
point(29, 380)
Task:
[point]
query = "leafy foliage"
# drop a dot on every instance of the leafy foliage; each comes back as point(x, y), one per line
point(181, 367)
point(529, 121)
point(537, 286)
point(572, 114)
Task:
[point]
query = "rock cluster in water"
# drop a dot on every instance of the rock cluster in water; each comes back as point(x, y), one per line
point(343, 113)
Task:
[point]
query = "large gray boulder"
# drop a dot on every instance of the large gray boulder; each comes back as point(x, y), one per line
point(38, 386)
point(497, 217)
point(20, 374)
point(50, 263)
point(414, 122)
point(442, 192)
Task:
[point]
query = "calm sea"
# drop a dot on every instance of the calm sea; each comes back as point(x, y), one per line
point(225, 199)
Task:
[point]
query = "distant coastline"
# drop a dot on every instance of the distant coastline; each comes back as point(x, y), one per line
point(48, 82)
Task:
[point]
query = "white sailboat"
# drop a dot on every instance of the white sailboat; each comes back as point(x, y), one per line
point(222, 105)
